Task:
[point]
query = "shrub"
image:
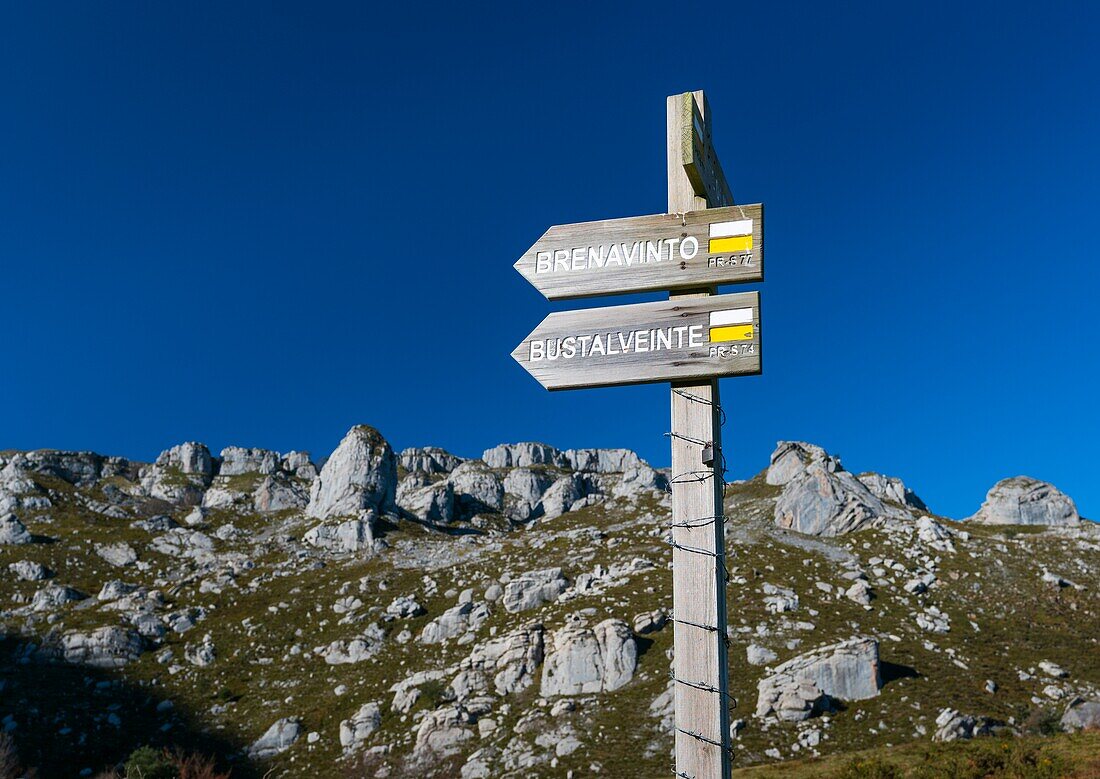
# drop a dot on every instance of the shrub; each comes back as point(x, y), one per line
point(1043, 722)
point(197, 767)
point(149, 763)
point(991, 759)
point(869, 768)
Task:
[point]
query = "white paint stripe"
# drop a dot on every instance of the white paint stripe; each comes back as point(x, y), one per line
point(730, 229)
point(731, 316)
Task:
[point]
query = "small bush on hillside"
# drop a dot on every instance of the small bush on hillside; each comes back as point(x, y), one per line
point(1043, 722)
point(991, 759)
point(150, 763)
point(869, 768)
point(197, 767)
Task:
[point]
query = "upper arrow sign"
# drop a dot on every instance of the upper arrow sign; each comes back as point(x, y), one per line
point(644, 253)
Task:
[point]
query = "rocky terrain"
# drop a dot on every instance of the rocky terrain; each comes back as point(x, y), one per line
point(420, 614)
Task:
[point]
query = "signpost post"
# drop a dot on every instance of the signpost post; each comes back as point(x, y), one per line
point(690, 340)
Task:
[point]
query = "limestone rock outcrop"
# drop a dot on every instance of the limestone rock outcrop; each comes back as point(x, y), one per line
point(590, 660)
point(360, 474)
point(180, 474)
point(278, 738)
point(532, 589)
point(800, 687)
point(106, 647)
point(1022, 500)
point(791, 459)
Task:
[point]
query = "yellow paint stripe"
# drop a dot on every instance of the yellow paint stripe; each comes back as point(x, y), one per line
point(731, 333)
point(736, 243)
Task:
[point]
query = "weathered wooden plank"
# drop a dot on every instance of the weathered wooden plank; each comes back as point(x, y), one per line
point(643, 253)
point(700, 160)
point(700, 666)
point(669, 340)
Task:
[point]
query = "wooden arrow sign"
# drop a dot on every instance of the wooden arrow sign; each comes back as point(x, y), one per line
point(638, 254)
point(671, 340)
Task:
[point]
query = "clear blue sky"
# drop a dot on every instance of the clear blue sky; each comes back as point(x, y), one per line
point(260, 224)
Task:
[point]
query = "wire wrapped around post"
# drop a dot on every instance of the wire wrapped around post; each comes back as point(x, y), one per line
point(694, 476)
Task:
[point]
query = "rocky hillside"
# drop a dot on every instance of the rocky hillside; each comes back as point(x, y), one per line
point(419, 614)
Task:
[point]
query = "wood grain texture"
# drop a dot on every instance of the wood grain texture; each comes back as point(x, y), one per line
point(699, 585)
point(699, 158)
point(682, 362)
point(671, 271)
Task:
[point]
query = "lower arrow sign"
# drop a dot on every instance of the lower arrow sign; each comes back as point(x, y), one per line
point(671, 340)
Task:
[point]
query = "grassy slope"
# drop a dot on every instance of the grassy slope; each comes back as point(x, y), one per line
point(255, 680)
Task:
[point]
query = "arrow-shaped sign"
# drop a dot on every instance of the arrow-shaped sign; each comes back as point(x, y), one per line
point(663, 252)
point(671, 340)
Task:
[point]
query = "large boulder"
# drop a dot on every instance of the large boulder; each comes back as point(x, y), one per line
point(951, 725)
point(1082, 715)
point(590, 660)
point(356, 730)
point(464, 618)
point(534, 588)
point(823, 502)
point(106, 647)
point(1022, 500)
point(639, 479)
point(278, 738)
point(13, 532)
point(360, 474)
point(798, 688)
point(791, 459)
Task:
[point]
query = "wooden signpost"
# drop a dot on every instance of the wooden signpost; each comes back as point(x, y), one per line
point(690, 340)
point(670, 340)
point(646, 253)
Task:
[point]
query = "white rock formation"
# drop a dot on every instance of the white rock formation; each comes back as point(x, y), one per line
point(119, 555)
point(846, 671)
point(237, 460)
point(522, 455)
point(1022, 500)
point(464, 618)
point(106, 647)
point(791, 458)
point(534, 588)
point(476, 488)
point(590, 660)
point(356, 730)
point(428, 459)
point(507, 664)
point(360, 474)
point(352, 535)
point(12, 531)
point(278, 738)
point(821, 502)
